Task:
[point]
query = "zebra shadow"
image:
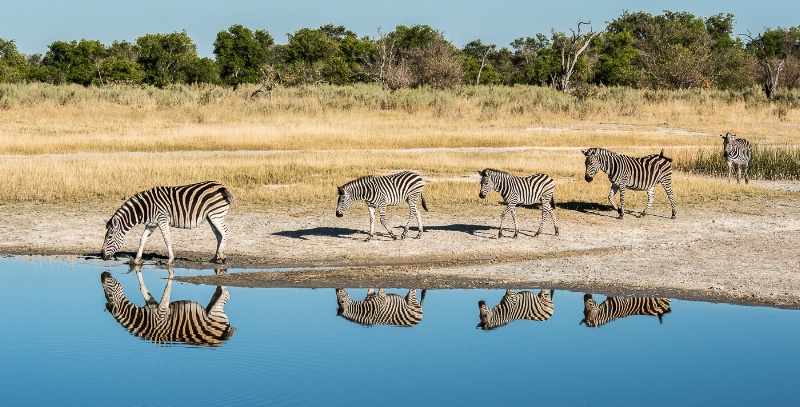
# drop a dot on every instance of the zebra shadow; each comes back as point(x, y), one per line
point(591, 208)
point(305, 234)
point(462, 227)
point(596, 315)
point(381, 308)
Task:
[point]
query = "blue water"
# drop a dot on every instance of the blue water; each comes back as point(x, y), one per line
point(59, 347)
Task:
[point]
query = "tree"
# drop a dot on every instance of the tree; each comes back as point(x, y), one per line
point(476, 55)
point(384, 63)
point(12, 63)
point(570, 48)
point(772, 49)
point(240, 53)
point(75, 62)
point(120, 64)
point(165, 57)
point(534, 59)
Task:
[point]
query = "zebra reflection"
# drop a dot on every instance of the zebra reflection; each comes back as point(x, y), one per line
point(618, 307)
point(381, 308)
point(169, 322)
point(515, 306)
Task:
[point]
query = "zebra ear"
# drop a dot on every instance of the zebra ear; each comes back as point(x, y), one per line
point(341, 190)
point(586, 153)
point(481, 173)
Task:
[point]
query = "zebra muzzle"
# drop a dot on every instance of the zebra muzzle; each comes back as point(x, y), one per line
point(588, 178)
point(339, 214)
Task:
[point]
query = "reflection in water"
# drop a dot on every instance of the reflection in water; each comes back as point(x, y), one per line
point(514, 306)
point(619, 307)
point(169, 322)
point(381, 308)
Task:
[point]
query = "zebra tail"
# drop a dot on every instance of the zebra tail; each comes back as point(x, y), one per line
point(228, 195)
point(424, 206)
point(665, 157)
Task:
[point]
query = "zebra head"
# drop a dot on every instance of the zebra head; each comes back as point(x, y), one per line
point(343, 300)
point(345, 200)
point(727, 143)
point(590, 310)
point(486, 315)
point(115, 294)
point(115, 238)
point(487, 185)
point(592, 164)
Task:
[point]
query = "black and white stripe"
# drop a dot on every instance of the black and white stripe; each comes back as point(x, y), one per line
point(635, 173)
point(521, 191)
point(618, 307)
point(737, 152)
point(185, 206)
point(169, 322)
point(381, 308)
point(516, 306)
point(380, 192)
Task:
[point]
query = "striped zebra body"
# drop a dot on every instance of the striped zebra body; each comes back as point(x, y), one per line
point(185, 206)
point(521, 191)
point(619, 307)
point(635, 173)
point(380, 192)
point(514, 306)
point(381, 308)
point(737, 152)
point(169, 322)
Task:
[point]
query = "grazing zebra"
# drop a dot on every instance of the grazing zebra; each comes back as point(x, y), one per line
point(380, 192)
point(618, 307)
point(165, 321)
point(636, 173)
point(185, 206)
point(520, 191)
point(737, 152)
point(381, 308)
point(515, 306)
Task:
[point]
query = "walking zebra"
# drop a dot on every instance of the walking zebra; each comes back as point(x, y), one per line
point(165, 321)
point(185, 206)
point(515, 306)
point(381, 308)
point(380, 192)
point(618, 307)
point(737, 152)
point(520, 191)
point(636, 173)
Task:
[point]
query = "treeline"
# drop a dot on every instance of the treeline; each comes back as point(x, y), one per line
point(674, 50)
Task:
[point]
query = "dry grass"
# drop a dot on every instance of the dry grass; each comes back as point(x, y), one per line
point(72, 144)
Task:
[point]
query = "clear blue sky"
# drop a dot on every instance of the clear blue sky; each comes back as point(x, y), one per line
point(35, 24)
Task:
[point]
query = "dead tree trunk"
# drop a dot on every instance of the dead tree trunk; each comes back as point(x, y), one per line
point(571, 50)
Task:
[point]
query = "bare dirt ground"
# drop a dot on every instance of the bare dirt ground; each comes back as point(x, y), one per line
point(746, 255)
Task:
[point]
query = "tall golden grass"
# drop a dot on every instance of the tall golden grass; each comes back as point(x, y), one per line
point(70, 144)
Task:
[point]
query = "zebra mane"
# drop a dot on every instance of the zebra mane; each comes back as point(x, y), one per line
point(367, 178)
point(492, 170)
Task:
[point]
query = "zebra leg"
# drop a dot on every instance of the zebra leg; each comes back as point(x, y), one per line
point(502, 217)
point(221, 232)
point(412, 208)
point(746, 175)
point(164, 226)
point(738, 172)
point(371, 223)
point(215, 309)
point(419, 221)
point(382, 212)
point(650, 197)
point(148, 298)
point(148, 230)
point(621, 202)
point(667, 184)
point(614, 190)
point(545, 210)
point(730, 169)
point(514, 218)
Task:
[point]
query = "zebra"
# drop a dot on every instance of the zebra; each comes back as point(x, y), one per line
point(169, 322)
point(380, 192)
point(515, 306)
point(636, 173)
point(185, 206)
point(618, 307)
point(737, 153)
point(520, 191)
point(381, 308)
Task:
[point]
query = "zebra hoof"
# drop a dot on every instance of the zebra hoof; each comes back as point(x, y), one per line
point(218, 260)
